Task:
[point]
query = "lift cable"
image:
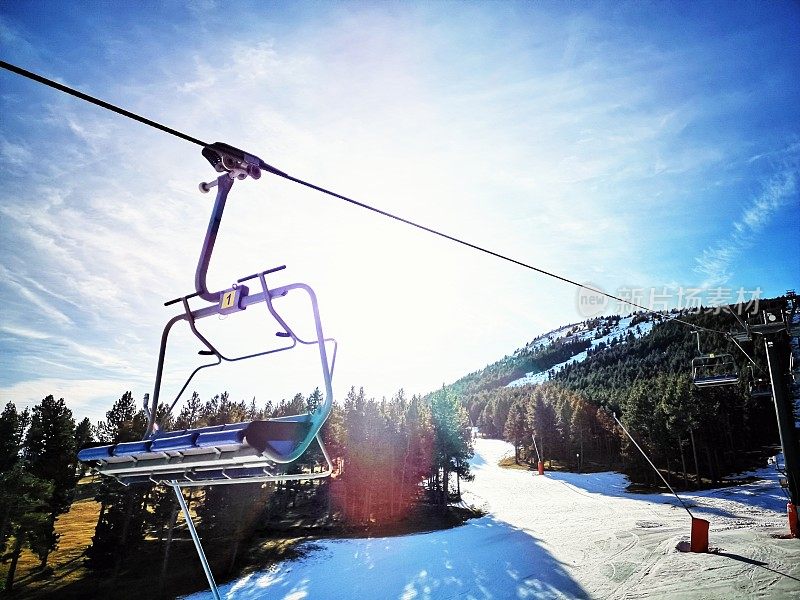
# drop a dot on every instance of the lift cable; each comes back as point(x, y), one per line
point(126, 113)
point(101, 103)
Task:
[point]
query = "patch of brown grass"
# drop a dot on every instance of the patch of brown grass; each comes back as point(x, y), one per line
point(552, 465)
point(509, 463)
point(65, 565)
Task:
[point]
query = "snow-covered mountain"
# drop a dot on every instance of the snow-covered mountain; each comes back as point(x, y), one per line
point(547, 354)
point(600, 332)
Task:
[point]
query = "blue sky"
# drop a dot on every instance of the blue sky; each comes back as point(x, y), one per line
point(630, 145)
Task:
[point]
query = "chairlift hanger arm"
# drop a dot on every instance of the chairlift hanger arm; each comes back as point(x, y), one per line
point(234, 164)
point(735, 341)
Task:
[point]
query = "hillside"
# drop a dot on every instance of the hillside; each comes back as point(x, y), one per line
point(563, 386)
point(599, 334)
point(602, 340)
point(547, 354)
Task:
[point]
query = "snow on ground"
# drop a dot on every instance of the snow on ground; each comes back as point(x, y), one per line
point(616, 544)
point(619, 331)
point(564, 535)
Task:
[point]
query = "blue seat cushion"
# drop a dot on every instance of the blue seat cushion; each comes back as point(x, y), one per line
point(129, 448)
point(226, 437)
point(174, 442)
point(280, 436)
point(283, 448)
point(95, 453)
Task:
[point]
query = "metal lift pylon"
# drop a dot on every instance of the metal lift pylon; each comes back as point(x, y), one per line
point(774, 330)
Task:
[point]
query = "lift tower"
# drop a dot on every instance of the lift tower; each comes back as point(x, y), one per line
point(775, 331)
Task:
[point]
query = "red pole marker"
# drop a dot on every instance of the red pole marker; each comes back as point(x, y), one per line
point(794, 528)
point(699, 541)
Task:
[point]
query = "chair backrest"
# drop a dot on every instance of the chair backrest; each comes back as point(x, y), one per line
point(714, 369)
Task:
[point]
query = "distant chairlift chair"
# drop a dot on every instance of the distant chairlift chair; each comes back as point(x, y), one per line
point(711, 370)
point(248, 452)
point(759, 387)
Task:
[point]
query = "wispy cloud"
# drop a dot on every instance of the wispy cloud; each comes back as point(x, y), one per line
point(86, 357)
point(101, 358)
point(16, 37)
point(51, 312)
point(24, 332)
point(716, 262)
point(46, 308)
point(52, 363)
point(202, 8)
point(16, 155)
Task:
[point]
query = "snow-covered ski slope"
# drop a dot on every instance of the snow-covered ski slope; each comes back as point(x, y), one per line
point(563, 535)
point(604, 332)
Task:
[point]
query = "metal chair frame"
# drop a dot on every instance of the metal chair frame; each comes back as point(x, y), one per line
point(712, 370)
point(207, 465)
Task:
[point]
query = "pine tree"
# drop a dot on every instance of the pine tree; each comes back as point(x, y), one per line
point(121, 522)
point(50, 455)
point(517, 431)
point(252, 410)
point(83, 433)
point(638, 415)
point(296, 406)
point(452, 440)
point(581, 425)
point(12, 428)
point(418, 459)
point(124, 423)
point(314, 400)
point(544, 424)
point(25, 504)
point(190, 413)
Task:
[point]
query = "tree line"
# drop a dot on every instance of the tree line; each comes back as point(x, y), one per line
point(695, 435)
point(37, 477)
point(390, 455)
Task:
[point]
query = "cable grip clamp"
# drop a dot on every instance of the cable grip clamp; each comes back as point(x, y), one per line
point(227, 159)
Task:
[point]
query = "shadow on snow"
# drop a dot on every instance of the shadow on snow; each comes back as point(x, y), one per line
point(485, 558)
point(764, 493)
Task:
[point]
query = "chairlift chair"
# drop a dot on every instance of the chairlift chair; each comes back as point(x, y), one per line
point(254, 451)
point(237, 452)
point(759, 387)
point(712, 370)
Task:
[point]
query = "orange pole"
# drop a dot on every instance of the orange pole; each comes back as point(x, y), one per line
point(794, 529)
point(699, 541)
